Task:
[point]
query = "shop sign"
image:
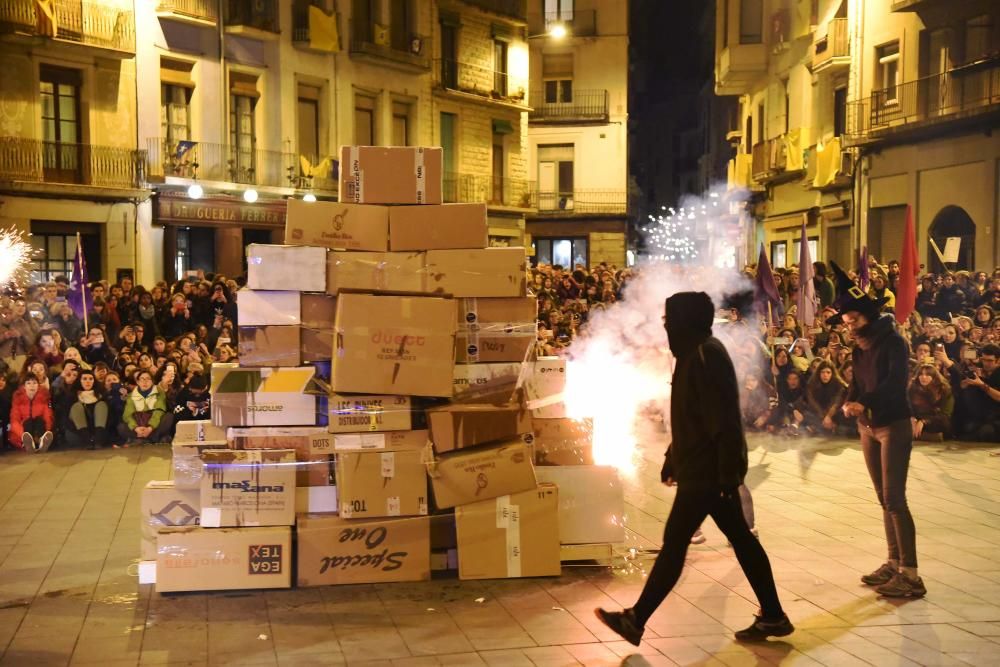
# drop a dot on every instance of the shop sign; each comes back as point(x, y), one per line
point(219, 212)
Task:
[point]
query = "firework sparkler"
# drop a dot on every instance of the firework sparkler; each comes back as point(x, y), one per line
point(15, 254)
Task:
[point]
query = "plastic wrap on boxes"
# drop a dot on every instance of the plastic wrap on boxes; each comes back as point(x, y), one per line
point(375, 272)
point(283, 267)
point(490, 272)
point(496, 330)
point(198, 431)
point(460, 426)
point(487, 383)
point(266, 396)
point(213, 559)
point(268, 307)
point(248, 487)
point(165, 505)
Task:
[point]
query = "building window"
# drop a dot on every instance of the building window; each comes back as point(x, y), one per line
point(839, 112)
point(557, 11)
point(813, 249)
point(887, 74)
point(499, 163)
point(308, 122)
point(54, 254)
point(449, 53)
point(364, 120)
point(59, 92)
point(779, 250)
point(788, 105)
point(400, 24)
point(751, 21)
point(182, 260)
point(175, 113)
point(243, 97)
point(362, 20)
point(557, 73)
point(566, 252)
point(760, 123)
point(980, 36)
point(449, 124)
point(555, 177)
point(401, 123)
point(500, 67)
point(725, 24)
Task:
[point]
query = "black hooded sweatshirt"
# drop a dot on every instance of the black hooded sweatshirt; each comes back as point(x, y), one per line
point(708, 449)
point(881, 372)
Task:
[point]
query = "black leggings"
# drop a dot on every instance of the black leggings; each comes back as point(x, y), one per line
point(690, 508)
point(887, 455)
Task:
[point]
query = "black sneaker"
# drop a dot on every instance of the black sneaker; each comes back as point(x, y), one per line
point(623, 623)
point(762, 628)
point(882, 575)
point(903, 586)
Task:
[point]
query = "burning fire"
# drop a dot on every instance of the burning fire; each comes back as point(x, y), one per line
point(14, 257)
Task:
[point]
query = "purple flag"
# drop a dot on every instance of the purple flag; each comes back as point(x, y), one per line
point(79, 296)
point(806, 306)
point(764, 287)
point(864, 274)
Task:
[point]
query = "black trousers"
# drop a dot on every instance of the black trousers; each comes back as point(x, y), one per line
point(887, 455)
point(691, 507)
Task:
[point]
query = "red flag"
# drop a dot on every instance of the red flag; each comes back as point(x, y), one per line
point(909, 266)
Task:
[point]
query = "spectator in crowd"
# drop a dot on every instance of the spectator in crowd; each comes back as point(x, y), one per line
point(932, 404)
point(824, 397)
point(146, 420)
point(87, 425)
point(31, 419)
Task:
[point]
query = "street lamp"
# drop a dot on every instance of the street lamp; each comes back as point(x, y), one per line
point(556, 30)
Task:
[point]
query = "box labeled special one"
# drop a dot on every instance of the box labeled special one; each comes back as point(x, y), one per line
point(394, 345)
point(248, 487)
point(262, 396)
point(198, 559)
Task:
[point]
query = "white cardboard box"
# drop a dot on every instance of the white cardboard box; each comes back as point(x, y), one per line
point(286, 267)
point(267, 307)
point(544, 387)
point(591, 503)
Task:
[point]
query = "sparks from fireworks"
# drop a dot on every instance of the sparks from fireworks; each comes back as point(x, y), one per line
point(15, 254)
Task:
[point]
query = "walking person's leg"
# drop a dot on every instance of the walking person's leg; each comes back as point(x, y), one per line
point(871, 447)
point(746, 502)
point(897, 444)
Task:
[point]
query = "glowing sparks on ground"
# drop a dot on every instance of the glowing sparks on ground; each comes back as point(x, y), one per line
point(14, 257)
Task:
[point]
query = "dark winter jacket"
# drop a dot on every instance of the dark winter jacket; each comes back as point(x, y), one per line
point(881, 372)
point(708, 449)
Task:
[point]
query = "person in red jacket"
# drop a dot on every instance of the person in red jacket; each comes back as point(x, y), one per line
point(31, 417)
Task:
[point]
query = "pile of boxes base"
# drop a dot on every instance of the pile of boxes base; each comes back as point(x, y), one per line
point(376, 428)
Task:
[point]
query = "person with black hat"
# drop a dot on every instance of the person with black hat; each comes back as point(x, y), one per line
point(194, 401)
point(877, 398)
point(707, 460)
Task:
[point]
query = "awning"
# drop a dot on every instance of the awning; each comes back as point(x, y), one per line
point(502, 127)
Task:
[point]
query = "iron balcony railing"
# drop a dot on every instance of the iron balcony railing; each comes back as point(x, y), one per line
point(517, 9)
point(482, 81)
point(582, 202)
point(256, 14)
point(203, 10)
point(834, 45)
point(37, 161)
point(472, 188)
point(96, 24)
point(585, 105)
point(969, 90)
point(369, 40)
point(768, 158)
point(578, 23)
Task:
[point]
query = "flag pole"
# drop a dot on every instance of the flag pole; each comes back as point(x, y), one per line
point(83, 284)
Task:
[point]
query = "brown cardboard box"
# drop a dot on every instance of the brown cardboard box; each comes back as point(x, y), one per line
point(164, 505)
point(468, 476)
point(318, 311)
point(591, 503)
point(394, 440)
point(262, 396)
point(361, 413)
point(492, 330)
point(485, 383)
point(394, 345)
point(198, 431)
point(311, 468)
point(317, 344)
point(544, 387)
point(459, 426)
point(222, 559)
point(375, 272)
point(511, 536)
point(491, 272)
point(440, 227)
point(248, 487)
point(267, 346)
point(286, 267)
point(564, 442)
point(382, 483)
point(337, 225)
point(332, 550)
point(390, 175)
point(186, 461)
point(266, 307)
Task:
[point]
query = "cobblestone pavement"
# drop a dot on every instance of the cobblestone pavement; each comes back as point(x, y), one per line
point(69, 595)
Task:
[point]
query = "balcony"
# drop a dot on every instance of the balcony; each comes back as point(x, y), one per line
point(222, 163)
point(376, 44)
point(768, 159)
point(314, 30)
point(587, 106)
point(512, 9)
point(832, 51)
point(37, 161)
point(494, 191)
point(582, 203)
point(916, 5)
point(257, 19)
point(578, 23)
point(91, 24)
point(738, 66)
point(475, 83)
point(203, 13)
point(964, 94)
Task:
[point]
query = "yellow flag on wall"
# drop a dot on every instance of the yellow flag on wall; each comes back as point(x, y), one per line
point(323, 33)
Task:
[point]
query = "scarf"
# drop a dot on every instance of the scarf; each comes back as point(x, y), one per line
point(87, 397)
point(147, 312)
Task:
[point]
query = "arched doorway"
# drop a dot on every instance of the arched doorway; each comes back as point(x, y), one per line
point(952, 222)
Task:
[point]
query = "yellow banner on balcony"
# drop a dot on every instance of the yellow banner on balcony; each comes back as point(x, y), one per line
point(827, 162)
point(323, 34)
point(739, 171)
point(47, 18)
point(793, 150)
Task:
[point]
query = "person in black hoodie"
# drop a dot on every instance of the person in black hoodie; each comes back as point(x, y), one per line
point(707, 460)
point(877, 397)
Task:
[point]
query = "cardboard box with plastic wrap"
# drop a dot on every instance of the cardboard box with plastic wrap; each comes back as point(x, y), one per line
point(459, 426)
point(222, 559)
point(164, 506)
point(490, 272)
point(390, 175)
point(375, 272)
point(494, 330)
point(248, 487)
point(375, 484)
point(286, 267)
point(472, 475)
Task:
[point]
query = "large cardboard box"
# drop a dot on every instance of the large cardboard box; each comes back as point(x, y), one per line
point(544, 388)
point(267, 307)
point(591, 503)
point(222, 559)
point(332, 550)
point(313, 465)
point(381, 483)
point(318, 311)
point(286, 267)
point(186, 461)
point(316, 500)
point(394, 440)
point(486, 383)
point(248, 487)
point(511, 536)
point(262, 396)
point(164, 505)
point(353, 413)
point(492, 330)
point(491, 272)
point(564, 442)
point(394, 345)
point(468, 476)
point(390, 175)
point(267, 346)
point(198, 431)
point(460, 426)
point(337, 225)
point(439, 227)
point(375, 272)
point(317, 345)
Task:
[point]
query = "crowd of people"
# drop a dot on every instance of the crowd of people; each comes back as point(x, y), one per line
point(124, 374)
